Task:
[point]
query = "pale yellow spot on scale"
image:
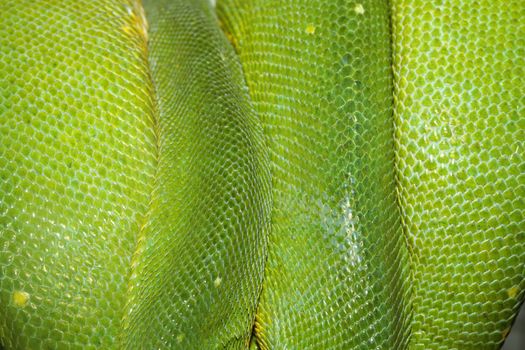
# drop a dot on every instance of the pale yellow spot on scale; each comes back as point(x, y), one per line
point(136, 26)
point(359, 9)
point(180, 338)
point(217, 282)
point(20, 298)
point(310, 29)
point(512, 292)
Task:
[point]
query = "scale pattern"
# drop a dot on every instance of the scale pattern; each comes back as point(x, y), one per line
point(77, 152)
point(279, 212)
point(198, 270)
point(460, 127)
point(319, 74)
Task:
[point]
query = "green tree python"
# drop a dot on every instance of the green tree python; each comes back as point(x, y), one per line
point(262, 174)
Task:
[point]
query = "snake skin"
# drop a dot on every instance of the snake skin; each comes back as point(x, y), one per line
point(316, 175)
point(200, 260)
point(78, 160)
point(460, 132)
point(336, 273)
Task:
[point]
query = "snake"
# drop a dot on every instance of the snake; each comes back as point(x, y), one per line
point(261, 174)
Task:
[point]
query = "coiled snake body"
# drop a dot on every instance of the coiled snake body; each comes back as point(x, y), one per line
point(265, 174)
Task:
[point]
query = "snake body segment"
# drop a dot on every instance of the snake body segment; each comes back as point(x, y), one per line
point(460, 113)
point(77, 167)
point(336, 246)
point(200, 258)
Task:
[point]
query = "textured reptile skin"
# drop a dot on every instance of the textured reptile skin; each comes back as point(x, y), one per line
point(77, 166)
point(161, 187)
point(337, 269)
point(200, 261)
point(460, 131)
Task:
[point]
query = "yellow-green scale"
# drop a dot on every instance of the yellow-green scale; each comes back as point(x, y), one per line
point(460, 126)
point(77, 160)
point(319, 74)
point(197, 273)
